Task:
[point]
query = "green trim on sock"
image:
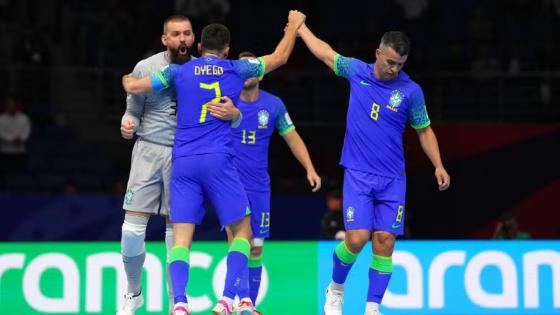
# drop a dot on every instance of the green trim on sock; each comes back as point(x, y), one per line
point(179, 253)
point(255, 262)
point(382, 263)
point(344, 254)
point(240, 245)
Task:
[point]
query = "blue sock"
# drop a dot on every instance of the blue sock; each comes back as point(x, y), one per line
point(380, 272)
point(243, 289)
point(179, 271)
point(236, 264)
point(255, 273)
point(343, 260)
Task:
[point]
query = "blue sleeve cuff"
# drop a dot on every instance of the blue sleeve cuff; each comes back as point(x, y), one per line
point(158, 82)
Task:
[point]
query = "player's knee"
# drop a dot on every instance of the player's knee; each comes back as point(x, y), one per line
point(356, 241)
point(384, 242)
point(133, 235)
point(256, 252)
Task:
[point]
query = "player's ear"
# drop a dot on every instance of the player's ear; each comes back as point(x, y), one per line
point(377, 53)
point(164, 40)
point(226, 52)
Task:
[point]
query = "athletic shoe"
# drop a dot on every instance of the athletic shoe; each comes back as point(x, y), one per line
point(245, 308)
point(333, 301)
point(222, 308)
point(181, 309)
point(132, 302)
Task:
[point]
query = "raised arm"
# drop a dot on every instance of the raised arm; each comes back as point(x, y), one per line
point(318, 47)
point(429, 144)
point(284, 49)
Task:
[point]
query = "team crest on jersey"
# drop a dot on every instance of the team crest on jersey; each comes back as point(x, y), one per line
point(128, 197)
point(263, 118)
point(395, 100)
point(349, 214)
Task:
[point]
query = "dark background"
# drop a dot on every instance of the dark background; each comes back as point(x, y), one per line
point(489, 71)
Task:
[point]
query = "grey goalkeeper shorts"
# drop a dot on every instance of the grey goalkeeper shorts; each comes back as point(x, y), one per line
point(149, 181)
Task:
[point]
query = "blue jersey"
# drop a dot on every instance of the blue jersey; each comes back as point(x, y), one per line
point(252, 137)
point(377, 115)
point(197, 83)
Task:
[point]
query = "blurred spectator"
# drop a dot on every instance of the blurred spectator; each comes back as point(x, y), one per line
point(332, 224)
point(413, 9)
point(32, 49)
point(70, 188)
point(508, 229)
point(15, 128)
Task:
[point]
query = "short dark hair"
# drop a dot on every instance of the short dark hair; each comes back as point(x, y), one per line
point(247, 54)
point(398, 41)
point(175, 18)
point(215, 37)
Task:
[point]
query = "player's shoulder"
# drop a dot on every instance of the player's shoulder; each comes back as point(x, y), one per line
point(353, 65)
point(267, 95)
point(151, 64)
point(152, 60)
point(270, 98)
point(351, 60)
point(406, 82)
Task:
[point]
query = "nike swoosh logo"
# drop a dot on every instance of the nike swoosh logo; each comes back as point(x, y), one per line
point(364, 83)
point(263, 231)
point(396, 226)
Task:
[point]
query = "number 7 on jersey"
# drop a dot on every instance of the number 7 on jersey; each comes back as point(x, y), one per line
point(212, 86)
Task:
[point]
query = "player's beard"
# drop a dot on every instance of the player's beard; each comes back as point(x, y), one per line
point(180, 55)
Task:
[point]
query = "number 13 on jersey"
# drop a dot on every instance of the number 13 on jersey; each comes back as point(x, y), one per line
point(212, 86)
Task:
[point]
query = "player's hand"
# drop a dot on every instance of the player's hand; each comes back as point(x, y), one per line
point(299, 29)
point(314, 180)
point(224, 110)
point(443, 178)
point(296, 18)
point(127, 129)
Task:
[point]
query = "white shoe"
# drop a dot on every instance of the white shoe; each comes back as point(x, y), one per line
point(333, 302)
point(222, 308)
point(181, 309)
point(132, 302)
point(245, 307)
point(375, 312)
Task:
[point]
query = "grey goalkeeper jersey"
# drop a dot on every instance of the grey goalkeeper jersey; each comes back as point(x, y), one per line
point(154, 113)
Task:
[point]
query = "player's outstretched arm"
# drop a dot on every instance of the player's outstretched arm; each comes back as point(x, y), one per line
point(318, 47)
point(133, 85)
point(299, 150)
point(429, 144)
point(284, 49)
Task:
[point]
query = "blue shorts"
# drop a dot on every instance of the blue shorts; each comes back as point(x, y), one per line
point(260, 213)
point(373, 202)
point(207, 175)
